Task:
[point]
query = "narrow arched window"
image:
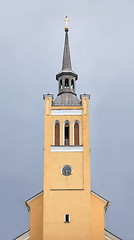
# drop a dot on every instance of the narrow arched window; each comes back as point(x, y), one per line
point(67, 218)
point(61, 84)
point(67, 133)
point(76, 133)
point(57, 134)
point(66, 82)
point(72, 84)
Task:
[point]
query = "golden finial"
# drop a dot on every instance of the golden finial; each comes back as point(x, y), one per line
point(66, 20)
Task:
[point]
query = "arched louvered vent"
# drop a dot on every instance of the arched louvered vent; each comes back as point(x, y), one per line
point(76, 133)
point(67, 133)
point(57, 134)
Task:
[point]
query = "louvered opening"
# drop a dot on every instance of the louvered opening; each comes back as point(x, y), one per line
point(72, 84)
point(66, 83)
point(57, 134)
point(76, 134)
point(66, 134)
point(61, 84)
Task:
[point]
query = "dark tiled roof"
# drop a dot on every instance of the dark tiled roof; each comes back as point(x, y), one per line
point(66, 99)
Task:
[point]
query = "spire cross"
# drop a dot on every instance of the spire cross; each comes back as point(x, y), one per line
point(66, 20)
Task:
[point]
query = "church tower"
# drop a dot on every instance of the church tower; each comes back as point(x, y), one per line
point(67, 208)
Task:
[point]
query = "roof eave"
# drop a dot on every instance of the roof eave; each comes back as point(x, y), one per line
point(33, 197)
point(66, 73)
point(100, 197)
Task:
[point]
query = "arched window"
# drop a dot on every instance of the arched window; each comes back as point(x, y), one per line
point(57, 133)
point(66, 83)
point(66, 133)
point(67, 218)
point(61, 84)
point(72, 84)
point(76, 133)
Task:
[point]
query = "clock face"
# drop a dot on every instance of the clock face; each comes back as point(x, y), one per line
point(66, 170)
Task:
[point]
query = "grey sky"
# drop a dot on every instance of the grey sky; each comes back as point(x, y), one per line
point(102, 50)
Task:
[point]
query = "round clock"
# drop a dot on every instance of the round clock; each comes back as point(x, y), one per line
point(66, 170)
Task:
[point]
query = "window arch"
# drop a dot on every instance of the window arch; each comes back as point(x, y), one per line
point(67, 133)
point(76, 133)
point(57, 133)
point(66, 83)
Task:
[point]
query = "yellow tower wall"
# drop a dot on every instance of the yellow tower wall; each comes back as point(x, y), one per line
point(71, 194)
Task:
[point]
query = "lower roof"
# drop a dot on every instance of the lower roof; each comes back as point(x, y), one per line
point(108, 236)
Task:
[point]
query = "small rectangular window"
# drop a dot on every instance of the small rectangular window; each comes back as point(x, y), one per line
point(67, 218)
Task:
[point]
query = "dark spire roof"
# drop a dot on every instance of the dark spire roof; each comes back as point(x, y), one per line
point(66, 78)
point(66, 63)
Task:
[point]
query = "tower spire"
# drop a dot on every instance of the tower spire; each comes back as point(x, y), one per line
point(66, 78)
point(66, 63)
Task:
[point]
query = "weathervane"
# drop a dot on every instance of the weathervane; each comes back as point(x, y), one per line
point(66, 20)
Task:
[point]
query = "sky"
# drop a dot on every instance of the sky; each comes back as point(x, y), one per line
point(102, 51)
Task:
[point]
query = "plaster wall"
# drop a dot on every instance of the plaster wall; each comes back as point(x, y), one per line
point(36, 218)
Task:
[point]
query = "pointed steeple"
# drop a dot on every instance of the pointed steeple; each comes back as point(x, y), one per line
point(66, 78)
point(66, 63)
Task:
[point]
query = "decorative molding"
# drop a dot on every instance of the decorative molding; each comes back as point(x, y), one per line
point(66, 112)
point(66, 148)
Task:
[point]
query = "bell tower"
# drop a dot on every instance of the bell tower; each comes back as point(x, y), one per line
point(67, 211)
point(67, 208)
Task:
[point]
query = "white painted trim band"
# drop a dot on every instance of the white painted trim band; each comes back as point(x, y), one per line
point(66, 112)
point(66, 148)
